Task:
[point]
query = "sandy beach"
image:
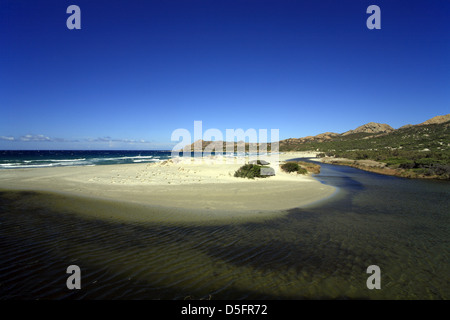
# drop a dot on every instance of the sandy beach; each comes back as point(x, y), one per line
point(202, 186)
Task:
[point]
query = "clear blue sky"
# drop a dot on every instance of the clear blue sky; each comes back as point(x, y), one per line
point(137, 70)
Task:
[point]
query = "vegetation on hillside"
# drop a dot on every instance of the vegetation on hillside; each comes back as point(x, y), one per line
point(434, 137)
point(412, 151)
point(416, 151)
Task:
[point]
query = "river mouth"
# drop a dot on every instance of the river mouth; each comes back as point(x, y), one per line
point(318, 252)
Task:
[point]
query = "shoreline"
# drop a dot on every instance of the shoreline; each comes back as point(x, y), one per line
point(207, 189)
point(377, 167)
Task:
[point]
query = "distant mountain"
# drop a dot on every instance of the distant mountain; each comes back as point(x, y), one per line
point(436, 120)
point(318, 138)
point(413, 151)
point(432, 134)
point(371, 127)
point(212, 146)
point(358, 138)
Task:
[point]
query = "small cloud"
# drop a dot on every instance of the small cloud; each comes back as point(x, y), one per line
point(30, 137)
point(63, 140)
point(35, 138)
point(104, 139)
point(123, 140)
point(109, 139)
point(7, 138)
point(101, 140)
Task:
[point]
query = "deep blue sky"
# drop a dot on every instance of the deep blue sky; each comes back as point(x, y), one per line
point(137, 70)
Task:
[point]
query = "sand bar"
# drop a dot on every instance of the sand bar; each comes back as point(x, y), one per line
point(203, 186)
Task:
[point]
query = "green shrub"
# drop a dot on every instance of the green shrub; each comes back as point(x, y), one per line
point(407, 164)
point(293, 167)
point(426, 162)
point(290, 166)
point(250, 171)
point(321, 155)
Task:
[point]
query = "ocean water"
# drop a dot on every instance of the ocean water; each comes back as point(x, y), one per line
point(22, 159)
point(316, 252)
point(61, 158)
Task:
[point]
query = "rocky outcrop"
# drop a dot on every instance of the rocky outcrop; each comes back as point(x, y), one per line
point(327, 136)
point(371, 127)
point(221, 146)
point(436, 120)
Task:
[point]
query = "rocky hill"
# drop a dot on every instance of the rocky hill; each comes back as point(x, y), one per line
point(431, 134)
point(371, 127)
point(354, 139)
point(421, 150)
point(414, 151)
point(436, 120)
point(218, 146)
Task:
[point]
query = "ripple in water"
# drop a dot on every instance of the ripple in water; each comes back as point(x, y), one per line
point(319, 252)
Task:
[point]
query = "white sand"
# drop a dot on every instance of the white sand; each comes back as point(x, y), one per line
point(206, 184)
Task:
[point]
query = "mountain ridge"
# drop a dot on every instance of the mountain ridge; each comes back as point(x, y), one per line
point(365, 132)
point(411, 151)
point(371, 127)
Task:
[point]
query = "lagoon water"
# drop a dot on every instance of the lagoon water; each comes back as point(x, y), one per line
point(318, 252)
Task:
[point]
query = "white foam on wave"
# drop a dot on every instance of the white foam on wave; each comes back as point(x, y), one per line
point(121, 158)
point(22, 166)
point(146, 160)
point(28, 164)
point(63, 160)
point(10, 164)
point(38, 163)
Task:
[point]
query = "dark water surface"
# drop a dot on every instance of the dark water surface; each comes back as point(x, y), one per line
point(318, 252)
point(23, 159)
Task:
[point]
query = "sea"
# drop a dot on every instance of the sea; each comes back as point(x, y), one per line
point(22, 159)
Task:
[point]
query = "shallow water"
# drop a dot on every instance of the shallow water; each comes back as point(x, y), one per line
point(318, 252)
